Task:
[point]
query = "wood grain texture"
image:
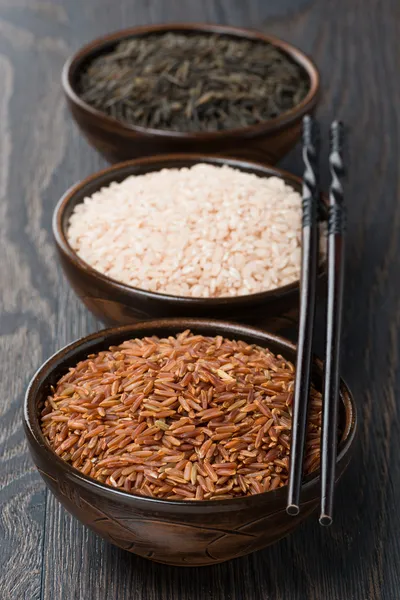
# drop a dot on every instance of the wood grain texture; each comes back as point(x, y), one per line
point(44, 553)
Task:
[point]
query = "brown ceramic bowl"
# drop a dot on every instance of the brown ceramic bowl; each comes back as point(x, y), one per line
point(174, 532)
point(116, 303)
point(266, 142)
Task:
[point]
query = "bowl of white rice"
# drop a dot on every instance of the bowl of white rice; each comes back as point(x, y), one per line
point(184, 235)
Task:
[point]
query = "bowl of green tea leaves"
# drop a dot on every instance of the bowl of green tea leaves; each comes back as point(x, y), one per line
point(184, 88)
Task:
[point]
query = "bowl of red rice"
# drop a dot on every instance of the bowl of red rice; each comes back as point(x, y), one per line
point(171, 438)
point(184, 236)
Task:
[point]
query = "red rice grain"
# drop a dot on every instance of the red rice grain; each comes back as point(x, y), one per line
point(183, 418)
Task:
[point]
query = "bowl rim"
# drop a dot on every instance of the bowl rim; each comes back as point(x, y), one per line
point(34, 432)
point(272, 125)
point(60, 237)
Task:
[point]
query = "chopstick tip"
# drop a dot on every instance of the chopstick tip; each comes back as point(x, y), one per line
point(292, 510)
point(325, 520)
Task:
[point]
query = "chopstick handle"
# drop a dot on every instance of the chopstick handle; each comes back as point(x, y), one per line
point(309, 265)
point(335, 258)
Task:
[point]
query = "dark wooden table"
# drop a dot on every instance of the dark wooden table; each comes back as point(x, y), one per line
point(46, 554)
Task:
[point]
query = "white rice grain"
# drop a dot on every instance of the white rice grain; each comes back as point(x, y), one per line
point(203, 231)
